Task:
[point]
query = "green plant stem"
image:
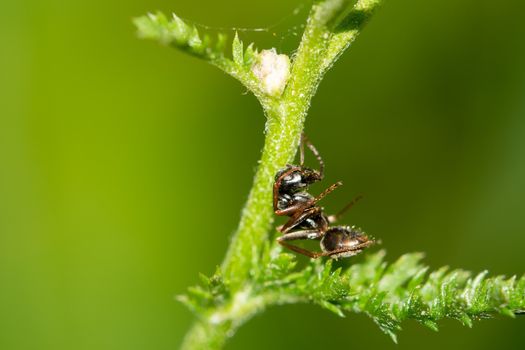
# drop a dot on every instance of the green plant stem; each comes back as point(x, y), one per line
point(212, 331)
point(283, 130)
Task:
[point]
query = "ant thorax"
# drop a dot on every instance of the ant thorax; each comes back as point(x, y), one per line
point(317, 221)
point(287, 200)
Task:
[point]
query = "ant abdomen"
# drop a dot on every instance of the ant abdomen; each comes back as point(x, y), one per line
point(348, 240)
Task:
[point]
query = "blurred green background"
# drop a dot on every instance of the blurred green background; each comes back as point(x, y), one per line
point(124, 165)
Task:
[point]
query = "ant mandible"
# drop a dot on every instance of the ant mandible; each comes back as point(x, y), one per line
point(307, 219)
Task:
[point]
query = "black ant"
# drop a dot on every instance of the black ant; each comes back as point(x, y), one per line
point(307, 219)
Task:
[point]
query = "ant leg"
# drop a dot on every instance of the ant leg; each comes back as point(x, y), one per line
point(304, 139)
point(299, 217)
point(355, 248)
point(308, 211)
point(308, 253)
point(289, 211)
point(305, 234)
point(295, 208)
point(335, 217)
point(330, 254)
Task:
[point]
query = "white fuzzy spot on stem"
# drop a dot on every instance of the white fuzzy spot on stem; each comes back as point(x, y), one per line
point(273, 71)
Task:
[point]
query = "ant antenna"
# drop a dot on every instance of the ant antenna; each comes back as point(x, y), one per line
point(304, 139)
point(301, 150)
point(335, 217)
point(325, 192)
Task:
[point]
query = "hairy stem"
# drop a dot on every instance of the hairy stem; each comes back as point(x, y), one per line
point(283, 129)
point(285, 122)
point(213, 330)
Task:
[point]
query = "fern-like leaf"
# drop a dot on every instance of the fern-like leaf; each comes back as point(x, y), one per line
point(388, 294)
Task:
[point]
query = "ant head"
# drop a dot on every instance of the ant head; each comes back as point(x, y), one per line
point(310, 175)
point(294, 178)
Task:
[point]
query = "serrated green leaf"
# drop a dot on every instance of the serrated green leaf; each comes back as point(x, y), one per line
point(325, 271)
point(194, 40)
point(431, 324)
point(417, 278)
point(237, 50)
point(331, 307)
point(466, 320)
point(181, 29)
point(205, 280)
point(198, 292)
point(250, 55)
